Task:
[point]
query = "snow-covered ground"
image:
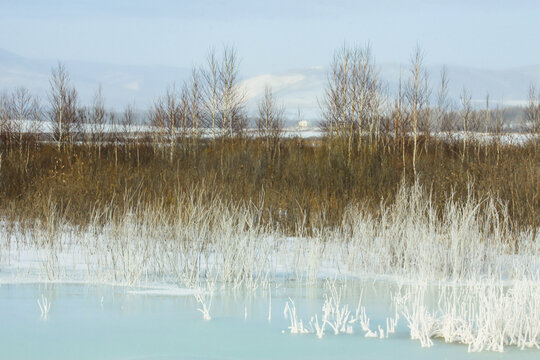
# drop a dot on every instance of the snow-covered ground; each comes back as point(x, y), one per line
point(306, 132)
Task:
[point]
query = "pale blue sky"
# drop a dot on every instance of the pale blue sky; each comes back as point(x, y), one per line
point(274, 35)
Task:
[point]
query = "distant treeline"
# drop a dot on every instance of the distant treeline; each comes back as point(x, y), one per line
point(355, 101)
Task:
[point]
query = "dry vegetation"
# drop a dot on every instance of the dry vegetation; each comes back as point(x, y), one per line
point(299, 181)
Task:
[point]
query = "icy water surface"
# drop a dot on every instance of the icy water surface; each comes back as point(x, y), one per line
point(104, 322)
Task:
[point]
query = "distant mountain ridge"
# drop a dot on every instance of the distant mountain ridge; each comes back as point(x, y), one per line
point(122, 84)
point(297, 89)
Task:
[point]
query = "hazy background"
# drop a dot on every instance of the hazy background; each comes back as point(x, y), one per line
point(135, 49)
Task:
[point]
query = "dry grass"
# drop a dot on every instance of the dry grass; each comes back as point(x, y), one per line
point(300, 181)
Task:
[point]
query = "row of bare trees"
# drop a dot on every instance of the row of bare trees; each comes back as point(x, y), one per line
point(358, 114)
point(211, 103)
point(210, 99)
point(352, 101)
point(357, 110)
point(20, 115)
point(533, 111)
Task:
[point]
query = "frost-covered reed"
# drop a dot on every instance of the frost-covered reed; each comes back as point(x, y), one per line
point(204, 298)
point(297, 325)
point(485, 315)
point(217, 240)
point(335, 317)
point(44, 306)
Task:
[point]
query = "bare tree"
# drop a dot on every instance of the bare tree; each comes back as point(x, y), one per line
point(270, 118)
point(498, 128)
point(487, 123)
point(220, 100)
point(417, 96)
point(400, 120)
point(365, 106)
point(169, 118)
point(156, 117)
point(466, 119)
point(211, 91)
point(445, 120)
point(184, 123)
point(232, 98)
point(487, 116)
point(352, 100)
point(331, 104)
point(127, 123)
point(532, 112)
point(194, 98)
point(499, 121)
point(97, 120)
point(25, 115)
point(386, 122)
point(6, 126)
point(114, 134)
point(130, 133)
point(63, 113)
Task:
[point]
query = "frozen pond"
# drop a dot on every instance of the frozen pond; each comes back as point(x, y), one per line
point(106, 322)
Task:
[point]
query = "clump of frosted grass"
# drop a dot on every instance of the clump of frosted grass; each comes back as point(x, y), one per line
point(297, 325)
point(204, 298)
point(483, 315)
point(410, 239)
point(335, 316)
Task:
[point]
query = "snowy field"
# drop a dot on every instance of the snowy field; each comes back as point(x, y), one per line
point(305, 132)
point(45, 127)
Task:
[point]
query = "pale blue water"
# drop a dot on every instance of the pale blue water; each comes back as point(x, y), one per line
point(129, 326)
